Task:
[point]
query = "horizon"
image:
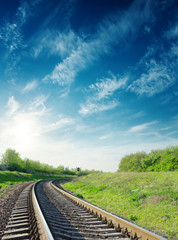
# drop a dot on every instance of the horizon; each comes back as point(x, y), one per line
point(85, 83)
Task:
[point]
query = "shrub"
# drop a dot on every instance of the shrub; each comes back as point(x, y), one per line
point(132, 162)
point(133, 217)
point(149, 161)
point(156, 160)
point(79, 195)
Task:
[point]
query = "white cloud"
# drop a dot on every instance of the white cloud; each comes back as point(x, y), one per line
point(37, 106)
point(138, 114)
point(12, 106)
point(57, 43)
point(107, 86)
point(30, 86)
point(65, 72)
point(110, 33)
point(141, 127)
point(11, 34)
point(104, 137)
point(158, 67)
point(156, 80)
point(101, 95)
point(165, 129)
point(94, 107)
point(59, 124)
point(159, 74)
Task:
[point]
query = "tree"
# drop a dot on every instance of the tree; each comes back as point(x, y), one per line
point(170, 159)
point(132, 162)
point(13, 160)
point(150, 161)
point(60, 169)
point(29, 166)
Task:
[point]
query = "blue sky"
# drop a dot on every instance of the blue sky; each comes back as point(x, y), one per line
point(84, 83)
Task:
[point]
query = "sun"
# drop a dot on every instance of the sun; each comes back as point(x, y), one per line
point(23, 130)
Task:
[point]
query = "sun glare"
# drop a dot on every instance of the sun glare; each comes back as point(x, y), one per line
point(23, 131)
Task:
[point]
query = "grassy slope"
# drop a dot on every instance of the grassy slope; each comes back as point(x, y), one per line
point(8, 178)
point(148, 199)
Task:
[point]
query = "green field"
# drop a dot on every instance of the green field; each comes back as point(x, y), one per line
point(8, 178)
point(147, 199)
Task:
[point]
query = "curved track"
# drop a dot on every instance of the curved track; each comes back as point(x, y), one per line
point(46, 211)
point(67, 220)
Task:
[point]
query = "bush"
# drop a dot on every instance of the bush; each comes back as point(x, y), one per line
point(150, 161)
point(79, 195)
point(156, 160)
point(132, 162)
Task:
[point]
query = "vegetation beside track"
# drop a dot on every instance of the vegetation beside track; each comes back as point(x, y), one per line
point(8, 178)
point(156, 161)
point(12, 161)
point(147, 199)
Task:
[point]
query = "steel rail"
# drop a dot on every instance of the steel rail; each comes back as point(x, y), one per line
point(44, 231)
point(132, 230)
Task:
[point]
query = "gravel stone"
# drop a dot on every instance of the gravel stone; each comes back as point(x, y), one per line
point(8, 198)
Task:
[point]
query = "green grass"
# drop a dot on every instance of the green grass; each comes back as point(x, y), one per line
point(147, 199)
point(8, 178)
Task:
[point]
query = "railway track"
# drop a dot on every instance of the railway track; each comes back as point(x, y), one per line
point(46, 211)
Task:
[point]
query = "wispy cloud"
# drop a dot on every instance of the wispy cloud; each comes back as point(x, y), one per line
point(158, 66)
point(155, 80)
point(10, 32)
point(63, 121)
point(138, 114)
point(64, 73)
point(141, 127)
point(56, 43)
point(93, 107)
point(165, 129)
point(101, 95)
point(37, 106)
point(30, 86)
point(104, 137)
point(11, 36)
point(110, 33)
point(12, 106)
point(107, 86)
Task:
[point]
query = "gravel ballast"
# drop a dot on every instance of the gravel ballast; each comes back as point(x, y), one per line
point(8, 198)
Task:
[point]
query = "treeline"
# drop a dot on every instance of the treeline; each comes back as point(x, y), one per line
point(155, 161)
point(14, 162)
